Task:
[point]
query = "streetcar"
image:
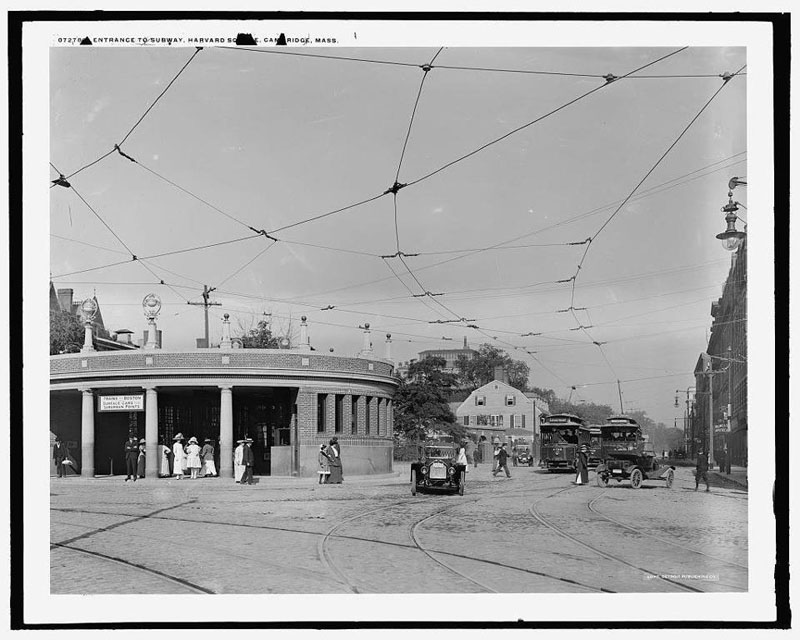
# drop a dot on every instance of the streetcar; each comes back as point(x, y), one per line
point(562, 434)
point(437, 469)
point(595, 436)
point(627, 455)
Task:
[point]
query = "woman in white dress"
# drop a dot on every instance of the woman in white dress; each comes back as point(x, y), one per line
point(238, 466)
point(179, 456)
point(164, 466)
point(462, 456)
point(193, 461)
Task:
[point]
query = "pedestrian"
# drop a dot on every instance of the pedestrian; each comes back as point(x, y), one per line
point(324, 465)
point(469, 449)
point(131, 455)
point(178, 456)
point(582, 465)
point(727, 461)
point(502, 461)
point(248, 459)
point(514, 455)
point(238, 465)
point(141, 460)
point(207, 468)
point(335, 464)
point(495, 456)
point(164, 471)
point(60, 457)
point(701, 471)
point(193, 457)
point(461, 458)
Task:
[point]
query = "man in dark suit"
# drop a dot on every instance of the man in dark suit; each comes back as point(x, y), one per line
point(131, 457)
point(248, 459)
point(60, 453)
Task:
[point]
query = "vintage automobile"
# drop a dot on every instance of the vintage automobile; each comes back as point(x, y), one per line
point(437, 469)
point(524, 456)
point(628, 456)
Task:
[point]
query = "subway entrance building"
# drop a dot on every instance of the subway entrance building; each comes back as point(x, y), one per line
point(287, 401)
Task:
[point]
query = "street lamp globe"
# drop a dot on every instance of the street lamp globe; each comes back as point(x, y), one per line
point(731, 238)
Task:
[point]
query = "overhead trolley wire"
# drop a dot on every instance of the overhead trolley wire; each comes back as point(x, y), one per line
point(539, 119)
point(284, 52)
point(138, 122)
point(160, 95)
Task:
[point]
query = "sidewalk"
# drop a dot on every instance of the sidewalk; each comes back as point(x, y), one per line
point(737, 477)
point(400, 470)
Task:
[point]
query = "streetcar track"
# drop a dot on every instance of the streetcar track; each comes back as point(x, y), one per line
point(139, 567)
point(412, 528)
point(539, 517)
point(591, 507)
point(323, 549)
point(428, 552)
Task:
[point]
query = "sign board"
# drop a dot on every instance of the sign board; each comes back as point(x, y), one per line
point(127, 402)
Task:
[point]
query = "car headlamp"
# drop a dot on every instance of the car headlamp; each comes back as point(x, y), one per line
point(452, 470)
point(423, 470)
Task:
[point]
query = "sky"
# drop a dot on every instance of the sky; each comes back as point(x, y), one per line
point(270, 141)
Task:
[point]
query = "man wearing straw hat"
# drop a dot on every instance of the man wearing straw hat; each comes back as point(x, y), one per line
point(178, 456)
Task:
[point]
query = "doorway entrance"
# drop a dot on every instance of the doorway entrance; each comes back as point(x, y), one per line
point(263, 414)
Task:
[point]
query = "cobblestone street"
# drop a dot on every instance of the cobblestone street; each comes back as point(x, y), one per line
point(535, 532)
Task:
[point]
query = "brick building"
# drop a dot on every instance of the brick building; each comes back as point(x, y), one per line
point(288, 401)
point(727, 381)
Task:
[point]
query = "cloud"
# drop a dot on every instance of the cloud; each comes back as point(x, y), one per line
point(438, 209)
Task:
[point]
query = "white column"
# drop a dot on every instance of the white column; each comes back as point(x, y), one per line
point(152, 335)
point(87, 434)
point(87, 338)
point(305, 344)
point(226, 432)
point(388, 346)
point(226, 343)
point(153, 460)
point(366, 350)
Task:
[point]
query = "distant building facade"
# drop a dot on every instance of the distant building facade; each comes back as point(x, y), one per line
point(450, 356)
point(727, 382)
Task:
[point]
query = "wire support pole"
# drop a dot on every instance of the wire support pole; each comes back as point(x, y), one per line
point(206, 304)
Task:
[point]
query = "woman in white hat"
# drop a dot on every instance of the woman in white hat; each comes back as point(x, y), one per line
point(193, 461)
point(238, 462)
point(179, 455)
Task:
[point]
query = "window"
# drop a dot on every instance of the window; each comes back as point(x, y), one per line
point(466, 421)
point(511, 420)
point(480, 401)
point(482, 420)
point(321, 397)
point(496, 421)
point(354, 417)
point(367, 417)
point(511, 400)
point(339, 416)
point(522, 426)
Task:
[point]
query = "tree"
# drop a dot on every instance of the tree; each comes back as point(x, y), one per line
point(479, 370)
point(66, 333)
point(589, 411)
point(421, 402)
point(260, 337)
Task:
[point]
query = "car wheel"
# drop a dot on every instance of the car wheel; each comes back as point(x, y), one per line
point(602, 479)
point(461, 484)
point(636, 478)
point(670, 478)
point(413, 482)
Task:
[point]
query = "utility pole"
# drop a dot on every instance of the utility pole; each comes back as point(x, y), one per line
point(206, 304)
point(619, 389)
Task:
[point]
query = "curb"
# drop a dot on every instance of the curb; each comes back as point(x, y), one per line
point(727, 480)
